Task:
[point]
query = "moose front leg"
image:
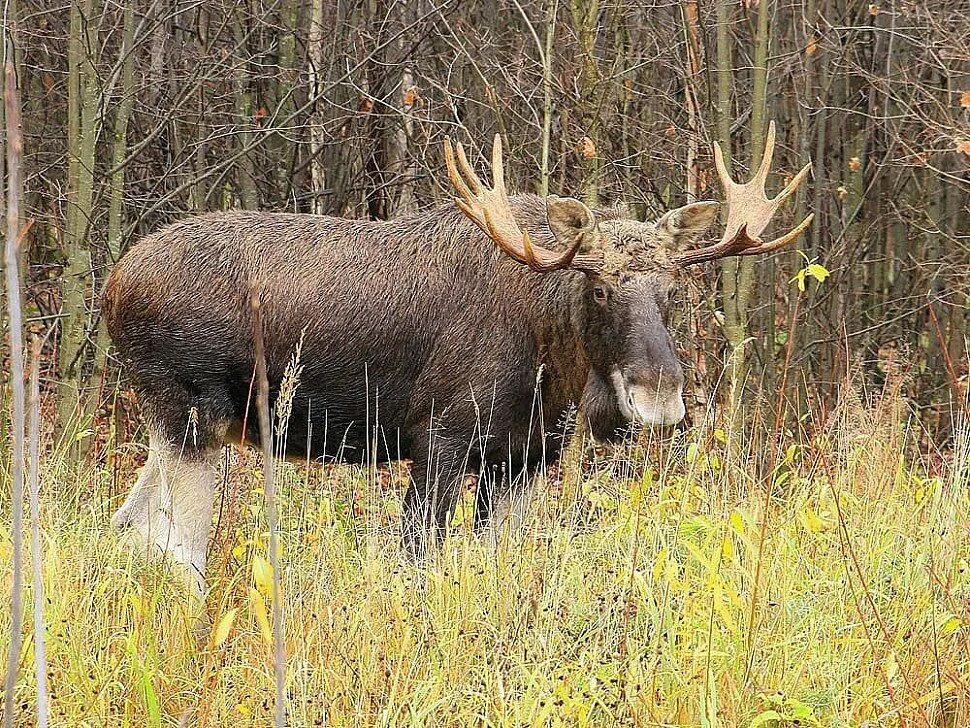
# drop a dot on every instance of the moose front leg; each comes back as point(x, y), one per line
point(502, 503)
point(431, 499)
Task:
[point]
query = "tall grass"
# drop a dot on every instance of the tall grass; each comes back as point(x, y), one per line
point(632, 604)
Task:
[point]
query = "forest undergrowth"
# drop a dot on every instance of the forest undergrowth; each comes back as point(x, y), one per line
point(823, 581)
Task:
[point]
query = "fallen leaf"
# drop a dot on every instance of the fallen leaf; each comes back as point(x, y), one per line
point(963, 145)
point(225, 624)
point(812, 46)
point(587, 150)
point(965, 99)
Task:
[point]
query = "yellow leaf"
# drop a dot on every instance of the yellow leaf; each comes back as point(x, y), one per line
point(225, 624)
point(737, 523)
point(263, 575)
point(818, 272)
point(262, 619)
point(727, 550)
point(949, 626)
point(810, 520)
point(891, 666)
point(137, 605)
point(659, 564)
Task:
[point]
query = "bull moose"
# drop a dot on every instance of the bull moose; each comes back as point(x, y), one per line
point(452, 337)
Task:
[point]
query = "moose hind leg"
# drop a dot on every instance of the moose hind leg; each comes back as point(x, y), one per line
point(136, 505)
point(169, 511)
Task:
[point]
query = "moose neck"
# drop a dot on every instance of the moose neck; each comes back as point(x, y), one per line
point(559, 323)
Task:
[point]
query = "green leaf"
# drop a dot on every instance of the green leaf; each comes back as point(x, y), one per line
point(151, 700)
point(764, 718)
point(802, 711)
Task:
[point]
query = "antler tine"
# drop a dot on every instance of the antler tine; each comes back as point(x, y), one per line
point(781, 242)
point(761, 175)
point(466, 169)
point(722, 171)
point(790, 188)
point(454, 176)
point(498, 166)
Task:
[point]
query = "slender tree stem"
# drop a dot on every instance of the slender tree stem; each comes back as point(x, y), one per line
point(15, 319)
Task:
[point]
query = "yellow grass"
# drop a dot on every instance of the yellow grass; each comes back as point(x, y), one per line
point(633, 604)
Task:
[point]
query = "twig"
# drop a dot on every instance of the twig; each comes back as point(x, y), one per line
point(269, 489)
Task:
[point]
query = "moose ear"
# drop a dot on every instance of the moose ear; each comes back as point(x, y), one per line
point(685, 224)
point(570, 220)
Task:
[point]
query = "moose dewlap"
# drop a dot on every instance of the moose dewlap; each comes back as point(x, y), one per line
point(457, 338)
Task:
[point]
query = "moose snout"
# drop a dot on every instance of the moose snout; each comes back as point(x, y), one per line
point(654, 397)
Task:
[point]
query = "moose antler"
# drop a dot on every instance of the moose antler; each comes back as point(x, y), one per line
point(749, 211)
point(491, 211)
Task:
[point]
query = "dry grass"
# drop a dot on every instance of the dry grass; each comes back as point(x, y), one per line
point(635, 604)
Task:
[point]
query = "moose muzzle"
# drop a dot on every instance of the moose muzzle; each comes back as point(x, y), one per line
point(656, 400)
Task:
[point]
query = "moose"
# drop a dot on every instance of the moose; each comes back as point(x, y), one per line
point(454, 338)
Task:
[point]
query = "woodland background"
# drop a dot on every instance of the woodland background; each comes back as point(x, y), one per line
point(139, 113)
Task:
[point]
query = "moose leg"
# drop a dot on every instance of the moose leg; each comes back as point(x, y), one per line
point(501, 506)
point(169, 511)
point(431, 499)
point(136, 503)
point(509, 513)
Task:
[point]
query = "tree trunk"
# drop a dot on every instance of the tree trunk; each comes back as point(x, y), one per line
point(734, 328)
point(547, 107)
point(245, 166)
point(119, 150)
point(585, 16)
point(83, 106)
point(318, 172)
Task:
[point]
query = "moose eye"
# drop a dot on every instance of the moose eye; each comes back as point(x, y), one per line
point(599, 293)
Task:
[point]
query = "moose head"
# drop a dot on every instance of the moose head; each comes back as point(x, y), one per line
point(629, 270)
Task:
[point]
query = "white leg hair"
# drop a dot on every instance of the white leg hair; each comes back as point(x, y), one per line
point(169, 510)
point(510, 513)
